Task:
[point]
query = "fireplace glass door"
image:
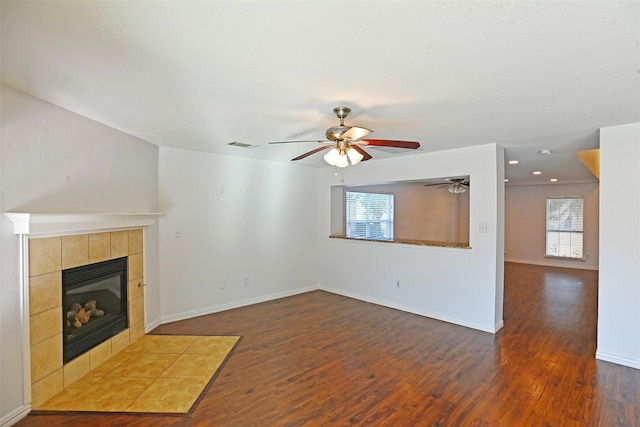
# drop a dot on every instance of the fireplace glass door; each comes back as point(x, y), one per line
point(95, 305)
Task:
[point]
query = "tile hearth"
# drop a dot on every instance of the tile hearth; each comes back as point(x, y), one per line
point(158, 373)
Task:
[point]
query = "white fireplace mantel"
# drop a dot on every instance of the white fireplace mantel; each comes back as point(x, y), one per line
point(56, 224)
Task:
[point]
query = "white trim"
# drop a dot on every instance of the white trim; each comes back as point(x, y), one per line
point(551, 264)
point(237, 304)
point(620, 360)
point(23, 255)
point(485, 328)
point(60, 224)
point(14, 416)
point(151, 326)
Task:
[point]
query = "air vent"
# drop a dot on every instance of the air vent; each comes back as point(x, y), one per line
point(241, 144)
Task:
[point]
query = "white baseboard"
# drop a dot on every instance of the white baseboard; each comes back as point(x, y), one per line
point(485, 328)
point(235, 304)
point(618, 359)
point(151, 326)
point(14, 416)
point(570, 264)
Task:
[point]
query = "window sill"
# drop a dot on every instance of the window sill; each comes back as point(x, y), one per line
point(565, 258)
point(411, 242)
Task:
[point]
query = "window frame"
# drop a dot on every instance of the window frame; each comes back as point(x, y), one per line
point(368, 223)
point(573, 230)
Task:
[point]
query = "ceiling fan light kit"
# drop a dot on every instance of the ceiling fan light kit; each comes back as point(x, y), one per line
point(456, 188)
point(342, 155)
point(453, 186)
point(347, 143)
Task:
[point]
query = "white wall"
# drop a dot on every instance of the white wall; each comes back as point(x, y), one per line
point(456, 285)
point(262, 225)
point(56, 161)
point(619, 274)
point(525, 223)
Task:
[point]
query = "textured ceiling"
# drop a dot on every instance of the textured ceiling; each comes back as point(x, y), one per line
point(199, 75)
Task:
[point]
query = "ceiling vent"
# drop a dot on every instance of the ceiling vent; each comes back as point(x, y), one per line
point(241, 144)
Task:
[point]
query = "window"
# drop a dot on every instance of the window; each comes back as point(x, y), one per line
point(565, 227)
point(369, 216)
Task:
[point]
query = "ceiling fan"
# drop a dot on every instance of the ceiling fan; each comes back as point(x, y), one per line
point(346, 143)
point(453, 185)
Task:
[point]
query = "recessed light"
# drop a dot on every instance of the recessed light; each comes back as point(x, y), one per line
point(545, 152)
point(537, 173)
point(513, 162)
point(554, 180)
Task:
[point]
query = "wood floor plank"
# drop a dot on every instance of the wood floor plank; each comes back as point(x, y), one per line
point(320, 359)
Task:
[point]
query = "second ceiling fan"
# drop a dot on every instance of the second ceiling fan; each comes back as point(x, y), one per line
point(346, 143)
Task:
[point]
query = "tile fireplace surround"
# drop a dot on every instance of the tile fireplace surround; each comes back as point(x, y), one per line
point(55, 242)
point(47, 258)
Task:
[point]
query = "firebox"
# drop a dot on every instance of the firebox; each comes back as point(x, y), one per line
point(94, 299)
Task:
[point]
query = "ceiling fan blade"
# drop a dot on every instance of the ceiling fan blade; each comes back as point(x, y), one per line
point(355, 133)
point(439, 184)
point(302, 156)
point(390, 143)
point(366, 155)
point(289, 142)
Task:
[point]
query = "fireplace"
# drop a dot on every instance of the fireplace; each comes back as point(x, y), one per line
point(94, 301)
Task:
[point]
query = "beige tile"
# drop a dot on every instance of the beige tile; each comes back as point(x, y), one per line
point(45, 324)
point(136, 331)
point(136, 311)
point(76, 369)
point(134, 291)
point(46, 388)
point(167, 343)
point(45, 255)
point(67, 399)
point(75, 251)
point(120, 342)
point(195, 366)
point(46, 357)
point(100, 353)
point(119, 244)
point(150, 365)
point(45, 292)
point(107, 394)
point(175, 395)
point(213, 345)
point(110, 364)
point(139, 345)
point(135, 241)
point(99, 247)
point(135, 266)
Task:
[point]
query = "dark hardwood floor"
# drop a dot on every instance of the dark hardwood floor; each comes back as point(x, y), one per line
point(320, 359)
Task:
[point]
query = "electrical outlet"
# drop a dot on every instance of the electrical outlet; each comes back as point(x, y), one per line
point(178, 233)
point(397, 283)
point(245, 281)
point(221, 189)
point(484, 227)
point(223, 284)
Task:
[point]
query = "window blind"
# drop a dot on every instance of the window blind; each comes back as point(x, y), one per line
point(369, 215)
point(565, 221)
